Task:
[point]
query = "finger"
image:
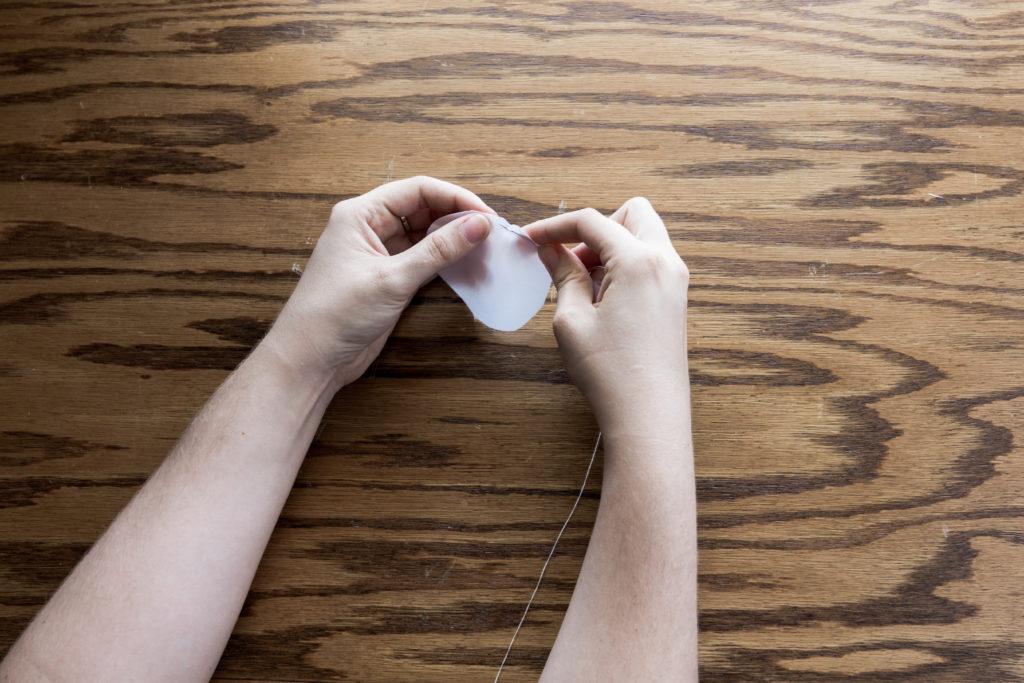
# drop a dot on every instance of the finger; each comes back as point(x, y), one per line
point(403, 239)
point(587, 256)
point(588, 226)
point(620, 217)
point(597, 277)
point(420, 219)
point(422, 197)
point(639, 217)
point(440, 249)
point(571, 279)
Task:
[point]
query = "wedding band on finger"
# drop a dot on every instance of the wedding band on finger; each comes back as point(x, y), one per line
point(405, 225)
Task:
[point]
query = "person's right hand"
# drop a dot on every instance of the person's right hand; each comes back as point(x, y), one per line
point(626, 347)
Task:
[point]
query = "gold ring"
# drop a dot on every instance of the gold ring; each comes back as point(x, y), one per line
point(405, 224)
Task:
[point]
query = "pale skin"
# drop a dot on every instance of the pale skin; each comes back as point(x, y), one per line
point(633, 613)
point(157, 596)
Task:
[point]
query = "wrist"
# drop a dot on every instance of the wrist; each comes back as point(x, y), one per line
point(653, 406)
point(668, 423)
point(651, 455)
point(298, 369)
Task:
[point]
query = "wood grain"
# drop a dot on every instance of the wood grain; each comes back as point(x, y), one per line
point(843, 178)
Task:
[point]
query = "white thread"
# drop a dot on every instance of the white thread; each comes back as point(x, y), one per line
point(550, 555)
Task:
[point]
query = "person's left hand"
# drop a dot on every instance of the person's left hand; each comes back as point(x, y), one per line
point(364, 270)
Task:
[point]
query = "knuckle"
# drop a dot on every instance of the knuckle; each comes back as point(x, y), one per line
point(668, 269)
point(565, 322)
point(653, 262)
point(442, 250)
point(638, 202)
point(648, 261)
point(341, 209)
point(573, 277)
point(590, 213)
point(387, 282)
point(563, 277)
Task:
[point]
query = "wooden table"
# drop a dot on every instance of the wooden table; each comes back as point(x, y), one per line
point(843, 179)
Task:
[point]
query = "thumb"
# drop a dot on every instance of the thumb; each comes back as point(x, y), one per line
point(575, 288)
point(444, 246)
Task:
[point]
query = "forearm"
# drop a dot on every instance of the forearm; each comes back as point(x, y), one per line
point(633, 613)
point(157, 596)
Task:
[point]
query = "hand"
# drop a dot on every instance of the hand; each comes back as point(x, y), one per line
point(365, 269)
point(625, 347)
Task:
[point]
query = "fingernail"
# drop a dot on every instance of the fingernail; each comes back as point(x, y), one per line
point(548, 256)
point(475, 228)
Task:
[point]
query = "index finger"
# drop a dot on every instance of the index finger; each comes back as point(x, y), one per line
point(601, 234)
point(416, 199)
